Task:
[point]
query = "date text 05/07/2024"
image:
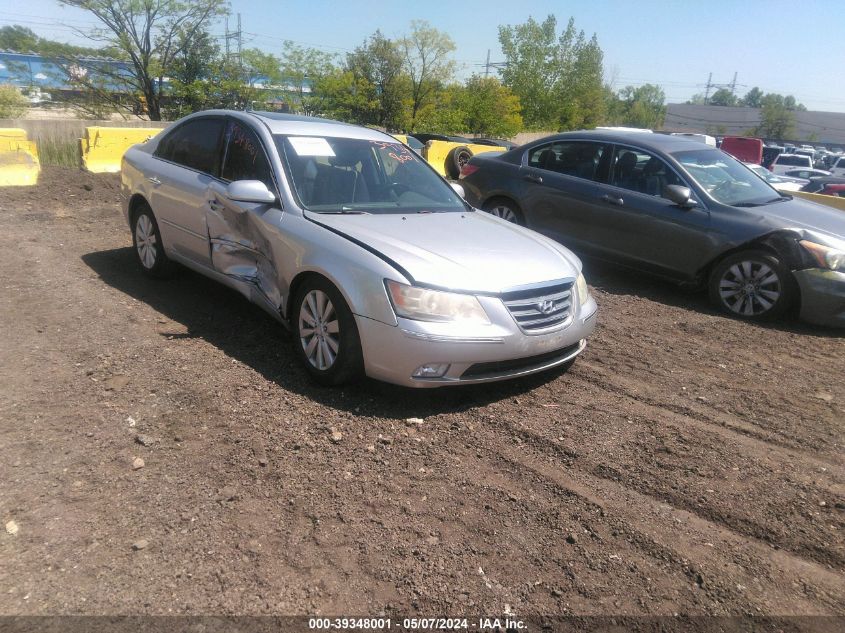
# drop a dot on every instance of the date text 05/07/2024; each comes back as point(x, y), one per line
point(418, 624)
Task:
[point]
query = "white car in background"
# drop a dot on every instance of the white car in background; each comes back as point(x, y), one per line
point(781, 183)
point(784, 162)
point(837, 168)
point(806, 174)
point(704, 138)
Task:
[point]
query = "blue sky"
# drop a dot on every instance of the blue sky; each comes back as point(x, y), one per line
point(781, 46)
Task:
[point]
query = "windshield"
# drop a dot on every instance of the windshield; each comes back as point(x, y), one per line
point(350, 175)
point(726, 179)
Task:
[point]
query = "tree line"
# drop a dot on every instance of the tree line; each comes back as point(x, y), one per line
point(551, 79)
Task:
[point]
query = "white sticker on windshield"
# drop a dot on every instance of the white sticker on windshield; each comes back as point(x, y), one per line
point(311, 146)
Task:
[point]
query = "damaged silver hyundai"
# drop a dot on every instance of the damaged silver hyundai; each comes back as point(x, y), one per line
point(349, 238)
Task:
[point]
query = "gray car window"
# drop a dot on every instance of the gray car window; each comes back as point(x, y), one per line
point(571, 158)
point(194, 144)
point(245, 158)
point(637, 170)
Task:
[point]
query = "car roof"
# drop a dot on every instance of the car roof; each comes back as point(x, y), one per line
point(655, 142)
point(279, 123)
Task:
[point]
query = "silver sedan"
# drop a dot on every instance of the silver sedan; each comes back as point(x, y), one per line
point(351, 240)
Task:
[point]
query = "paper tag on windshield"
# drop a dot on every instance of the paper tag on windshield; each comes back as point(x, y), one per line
point(311, 146)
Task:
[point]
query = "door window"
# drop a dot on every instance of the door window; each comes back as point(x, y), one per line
point(572, 158)
point(194, 144)
point(245, 157)
point(639, 171)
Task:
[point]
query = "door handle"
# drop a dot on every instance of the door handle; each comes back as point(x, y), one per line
point(214, 205)
point(154, 180)
point(613, 200)
point(533, 178)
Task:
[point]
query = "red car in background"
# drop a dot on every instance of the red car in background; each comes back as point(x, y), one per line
point(748, 150)
point(834, 190)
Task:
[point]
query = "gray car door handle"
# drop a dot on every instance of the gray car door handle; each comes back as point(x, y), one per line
point(613, 200)
point(533, 178)
point(154, 180)
point(214, 205)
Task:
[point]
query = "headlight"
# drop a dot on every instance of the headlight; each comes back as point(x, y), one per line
point(825, 256)
point(582, 290)
point(432, 305)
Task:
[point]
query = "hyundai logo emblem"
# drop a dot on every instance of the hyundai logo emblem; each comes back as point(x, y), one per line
point(546, 306)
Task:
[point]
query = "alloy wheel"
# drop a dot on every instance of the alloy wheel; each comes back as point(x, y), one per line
point(145, 241)
point(504, 212)
point(319, 330)
point(750, 288)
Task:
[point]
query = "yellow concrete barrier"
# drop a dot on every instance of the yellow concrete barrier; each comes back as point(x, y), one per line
point(102, 148)
point(437, 154)
point(19, 164)
point(831, 201)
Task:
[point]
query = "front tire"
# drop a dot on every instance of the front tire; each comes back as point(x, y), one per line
point(326, 336)
point(149, 249)
point(752, 285)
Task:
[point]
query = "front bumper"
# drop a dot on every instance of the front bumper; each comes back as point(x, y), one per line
point(496, 352)
point(822, 296)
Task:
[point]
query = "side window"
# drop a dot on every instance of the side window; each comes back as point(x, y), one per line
point(572, 158)
point(245, 157)
point(639, 171)
point(194, 144)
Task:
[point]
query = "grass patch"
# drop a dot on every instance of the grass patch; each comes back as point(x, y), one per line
point(59, 151)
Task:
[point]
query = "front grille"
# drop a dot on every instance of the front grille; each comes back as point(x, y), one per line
point(540, 308)
point(481, 370)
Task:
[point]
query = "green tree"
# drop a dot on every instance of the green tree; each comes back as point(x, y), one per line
point(753, 98)
point(12, 103)
point(377, 66)
point(488, 108)
point(341, 95)
point(777, 120)
point(723, 97)
point(303, 67)
point(643, 106)
point(149, 34)
point(426, 55)
point(558, 79)
point(18, 38)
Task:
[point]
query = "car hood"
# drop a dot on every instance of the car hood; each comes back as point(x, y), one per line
point(803, 214)
point(470, 251)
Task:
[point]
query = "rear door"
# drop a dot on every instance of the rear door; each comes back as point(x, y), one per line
point(188, 161)
point(561, 198)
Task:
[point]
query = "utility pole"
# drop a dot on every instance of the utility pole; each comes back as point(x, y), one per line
point(707, 90)
point(733, 84)
point(487, 65)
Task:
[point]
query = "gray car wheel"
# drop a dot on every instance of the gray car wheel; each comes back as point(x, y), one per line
point(505, 209)
point(146, 238)
point(752, 285)
point(327, 339)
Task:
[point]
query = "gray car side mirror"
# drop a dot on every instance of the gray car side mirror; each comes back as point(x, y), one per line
point(459, 189)
point(682, 196)
point(249, 191)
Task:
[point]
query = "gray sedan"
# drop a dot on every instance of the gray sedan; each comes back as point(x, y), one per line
point(356, 244)
point(670, 207)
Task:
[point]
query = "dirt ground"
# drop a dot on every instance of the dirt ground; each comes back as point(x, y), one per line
point(688, 463)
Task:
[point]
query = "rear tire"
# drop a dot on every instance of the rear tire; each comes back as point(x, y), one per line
point(505, 209)
point(752, 285)
point(149, 248)
point(325, 334)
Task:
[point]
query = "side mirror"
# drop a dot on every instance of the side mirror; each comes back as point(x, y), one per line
point(250, 191)
point(681, 196)
point(459, 189)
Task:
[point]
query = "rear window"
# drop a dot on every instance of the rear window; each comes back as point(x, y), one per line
point(793, 160)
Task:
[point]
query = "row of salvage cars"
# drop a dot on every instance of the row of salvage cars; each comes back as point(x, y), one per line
point(380, 267)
